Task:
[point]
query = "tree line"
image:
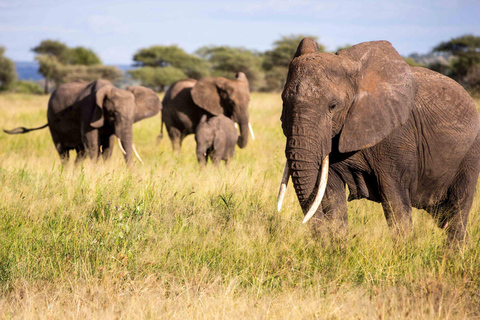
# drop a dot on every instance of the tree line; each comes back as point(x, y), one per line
point(160, 66)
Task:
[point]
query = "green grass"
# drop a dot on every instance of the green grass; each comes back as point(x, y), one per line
point(166, 240)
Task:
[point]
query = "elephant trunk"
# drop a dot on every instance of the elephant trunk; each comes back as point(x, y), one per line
point(124, 131)
point(306, 151)
point(243, 137)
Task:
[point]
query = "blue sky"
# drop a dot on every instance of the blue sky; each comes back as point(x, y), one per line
point(117, 29)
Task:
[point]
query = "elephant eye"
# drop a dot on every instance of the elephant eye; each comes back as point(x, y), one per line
point(332, 106)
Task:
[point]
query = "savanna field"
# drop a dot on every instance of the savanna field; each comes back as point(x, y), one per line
point(166, 240)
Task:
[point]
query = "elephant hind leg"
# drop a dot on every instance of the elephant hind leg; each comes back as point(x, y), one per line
point(453, 213)
point(80, 155)
point(176, 137)
point(63, 152)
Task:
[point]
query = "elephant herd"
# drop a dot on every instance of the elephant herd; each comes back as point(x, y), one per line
point(360, 118)
point(86, 117)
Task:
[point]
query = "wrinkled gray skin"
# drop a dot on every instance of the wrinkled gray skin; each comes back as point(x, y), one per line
point(188, 100)
point(86, 117)
point(216, 137)
point(402, 136)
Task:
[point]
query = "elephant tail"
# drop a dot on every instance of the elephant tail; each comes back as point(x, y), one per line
point(20, 130)
point(160, 136)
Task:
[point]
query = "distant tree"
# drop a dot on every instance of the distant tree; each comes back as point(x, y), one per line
point(275, 78)
point(53, 48)
point(276, 61)
point(69, 73)
point(171, 56)
point(284, 49)
point(466, 59)
point(226, 61)
point(82, 56)
point(48, 64)
point(158, 78)
point(8, 72)
point(59, 63)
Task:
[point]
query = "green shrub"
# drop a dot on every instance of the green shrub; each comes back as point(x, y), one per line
point(23, 86)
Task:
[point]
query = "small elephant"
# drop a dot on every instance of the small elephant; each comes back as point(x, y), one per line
point(398, 135)
point(216, 138)
point(87, 117)
point(188, 100)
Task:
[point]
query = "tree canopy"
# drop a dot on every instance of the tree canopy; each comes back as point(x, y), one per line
point(8, 72)
point(276, 61)
point(171, 56)
point(59, 63)
point(284, 49)
point(157, 78)
point(465, 65)
point(227, 61)
point(81, 56)
point(52, 48)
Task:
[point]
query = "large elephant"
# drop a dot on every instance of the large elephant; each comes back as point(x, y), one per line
point(188, 100)
point(402, 136)
point(87, 117)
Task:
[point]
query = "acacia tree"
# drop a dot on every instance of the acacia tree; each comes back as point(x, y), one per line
point(226, 61)
point(8, 72)
point(59, 63)
point(171, 56)
point(276, 61)
point(157, 78)
point(465, 65)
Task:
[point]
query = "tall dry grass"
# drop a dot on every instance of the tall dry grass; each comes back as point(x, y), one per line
point(166, 240)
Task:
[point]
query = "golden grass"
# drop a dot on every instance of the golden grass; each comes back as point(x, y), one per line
point(165, 240)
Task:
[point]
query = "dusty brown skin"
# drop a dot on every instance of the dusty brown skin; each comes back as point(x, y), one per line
point(216, 137)
point(188, 100)
point(402, 136)
point(86, 117)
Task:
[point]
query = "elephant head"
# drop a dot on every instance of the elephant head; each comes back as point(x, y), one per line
point(227, 97)
point(354, 98)
point(147, 102)
point(205, 138)
point(114, 108)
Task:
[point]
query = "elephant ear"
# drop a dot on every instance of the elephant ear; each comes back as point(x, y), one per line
point(101, 94)
point(147, 102)
point(206, 95)
point(386, 90)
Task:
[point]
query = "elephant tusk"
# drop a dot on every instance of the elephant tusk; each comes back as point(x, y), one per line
point(321, 191)
point(136, 153)
point(283, 187)
point(236, 126)
point(251, 130)
point(121, 147)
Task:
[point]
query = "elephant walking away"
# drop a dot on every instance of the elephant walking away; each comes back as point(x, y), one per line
point(188, 100)
point(398, 135)
point(86, 117)
point(216, 138)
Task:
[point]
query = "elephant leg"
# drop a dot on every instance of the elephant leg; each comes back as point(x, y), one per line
point(454, 212)
point(91, 144)
point(63, 152)
point(176, 138)
point(107, 146)
point(397, 207)
point(334, 205)
point(215, 159)
point(80, 155)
